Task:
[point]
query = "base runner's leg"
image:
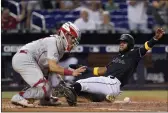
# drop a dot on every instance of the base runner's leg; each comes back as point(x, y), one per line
point(98, 85)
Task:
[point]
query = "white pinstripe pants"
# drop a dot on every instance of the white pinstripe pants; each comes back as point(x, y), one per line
point(101, 85)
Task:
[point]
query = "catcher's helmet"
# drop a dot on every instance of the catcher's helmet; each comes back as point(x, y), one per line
point(70, 28)
point(129, 39)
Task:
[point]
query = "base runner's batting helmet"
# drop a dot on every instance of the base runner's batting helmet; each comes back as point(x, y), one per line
point(129, 39)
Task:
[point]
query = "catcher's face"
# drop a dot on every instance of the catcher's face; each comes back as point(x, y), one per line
point(71, 41)
point(123, 46)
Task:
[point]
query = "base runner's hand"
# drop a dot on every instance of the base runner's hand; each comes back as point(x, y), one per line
point(79, 71)
point(159, 33)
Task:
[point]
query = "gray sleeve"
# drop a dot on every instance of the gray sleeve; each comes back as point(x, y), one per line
point(52, 50)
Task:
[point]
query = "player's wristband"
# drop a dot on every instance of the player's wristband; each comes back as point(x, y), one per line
point(149, 44)
point(67, 72)
point(95, 71)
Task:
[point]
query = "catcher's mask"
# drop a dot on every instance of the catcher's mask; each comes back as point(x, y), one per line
point(70, 34)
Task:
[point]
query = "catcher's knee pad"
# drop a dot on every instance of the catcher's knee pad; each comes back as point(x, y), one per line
point(44, 84)
point(39, 90)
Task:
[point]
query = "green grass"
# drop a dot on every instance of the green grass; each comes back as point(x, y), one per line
point(7, 94)
point(156, 94)
point(161, 94)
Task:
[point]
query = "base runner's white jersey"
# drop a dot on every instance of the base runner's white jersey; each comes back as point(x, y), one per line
point(46, 48)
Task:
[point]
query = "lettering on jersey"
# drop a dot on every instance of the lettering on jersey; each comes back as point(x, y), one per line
point(117, 60)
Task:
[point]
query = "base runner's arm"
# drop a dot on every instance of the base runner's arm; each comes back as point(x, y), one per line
point(149, 44)
point(98, 71)
point(55, 67)
point(142, 51)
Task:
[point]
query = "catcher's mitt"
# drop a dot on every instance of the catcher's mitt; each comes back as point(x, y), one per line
point(68, 92)
point(70, 96)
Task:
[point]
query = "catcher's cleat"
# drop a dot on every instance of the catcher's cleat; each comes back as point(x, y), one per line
point(110, 98)
point(52, 101)
point(19, 100)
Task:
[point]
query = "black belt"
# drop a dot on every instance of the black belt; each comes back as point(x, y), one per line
point(112, 77)
point(23, 51)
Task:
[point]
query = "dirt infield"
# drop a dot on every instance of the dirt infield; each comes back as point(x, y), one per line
point(137, 104)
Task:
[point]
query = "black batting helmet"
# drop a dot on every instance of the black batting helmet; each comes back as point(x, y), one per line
point(129, 39)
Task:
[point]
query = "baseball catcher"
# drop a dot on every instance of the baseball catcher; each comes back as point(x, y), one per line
point(39, 57)
point(113, 76)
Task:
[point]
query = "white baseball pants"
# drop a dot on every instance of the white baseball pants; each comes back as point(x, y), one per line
point(26, 66)
point(101, 85)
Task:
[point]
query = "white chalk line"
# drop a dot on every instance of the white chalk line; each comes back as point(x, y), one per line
point(138, 102)
point(115, 109)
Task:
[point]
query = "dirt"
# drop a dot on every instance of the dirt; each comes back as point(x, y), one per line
point(137, 104)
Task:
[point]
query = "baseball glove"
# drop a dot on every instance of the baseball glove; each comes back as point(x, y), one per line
point(67, 92)
point(70, 96)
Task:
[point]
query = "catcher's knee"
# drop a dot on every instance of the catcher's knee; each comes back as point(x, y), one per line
point(40, 90)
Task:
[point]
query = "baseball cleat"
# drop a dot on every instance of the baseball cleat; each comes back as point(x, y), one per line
point(110, 98)
point(52, 101)
point(55, 100)
point(19, 100)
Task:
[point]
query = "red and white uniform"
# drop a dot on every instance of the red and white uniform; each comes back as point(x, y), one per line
point(31, 61)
